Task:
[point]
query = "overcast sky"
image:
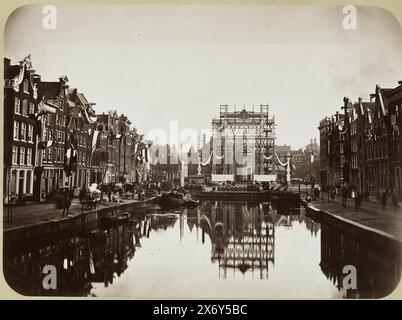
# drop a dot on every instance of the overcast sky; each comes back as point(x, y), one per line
point(162, 63)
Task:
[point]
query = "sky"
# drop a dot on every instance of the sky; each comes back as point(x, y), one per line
point(159, 64)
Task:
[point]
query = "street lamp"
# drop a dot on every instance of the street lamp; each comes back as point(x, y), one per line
point(288, 157)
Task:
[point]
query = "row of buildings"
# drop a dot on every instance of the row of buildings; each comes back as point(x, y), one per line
point(304, 161)
point(361, 144)
point(53, 138)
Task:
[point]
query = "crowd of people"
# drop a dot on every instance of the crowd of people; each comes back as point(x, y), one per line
point(142, 190)
point(346, 191)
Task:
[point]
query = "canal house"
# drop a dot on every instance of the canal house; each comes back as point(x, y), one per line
point(20, 129)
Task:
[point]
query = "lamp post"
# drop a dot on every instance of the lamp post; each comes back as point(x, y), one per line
point(103, 177)
point(288, 157)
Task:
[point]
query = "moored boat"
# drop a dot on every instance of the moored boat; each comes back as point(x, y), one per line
point(115, 219)
point(176, 199)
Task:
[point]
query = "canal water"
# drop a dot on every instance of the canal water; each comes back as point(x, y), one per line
point(218, 250)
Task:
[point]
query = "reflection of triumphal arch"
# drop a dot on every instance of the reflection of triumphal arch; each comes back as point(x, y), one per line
point(243, 239)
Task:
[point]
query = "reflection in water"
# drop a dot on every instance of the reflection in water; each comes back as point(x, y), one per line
point(242, 237)
point(377, 273)
point(220, 249)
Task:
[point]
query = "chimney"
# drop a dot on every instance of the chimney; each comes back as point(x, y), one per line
point(400, 82)
point(345, 101)
point(7, 62)
point(372, 97)
point(360, 100)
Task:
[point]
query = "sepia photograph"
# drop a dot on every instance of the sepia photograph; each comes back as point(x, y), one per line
point(202, 152)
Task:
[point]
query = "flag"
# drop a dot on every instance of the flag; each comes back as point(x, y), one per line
point(147, 155)
point(122, 139)
point(143, 154)
point(312, 158)
point(45, 144)
point(361, 108)
point(94, 140)
point(70, 156)
point(370, 120)
point(383, 109)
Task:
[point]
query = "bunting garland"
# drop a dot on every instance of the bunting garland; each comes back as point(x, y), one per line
point(206, 163)
point(283, 164)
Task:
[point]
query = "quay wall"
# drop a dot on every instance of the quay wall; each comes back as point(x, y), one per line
point(376, 239)
point(82, 222)
point(231, 195)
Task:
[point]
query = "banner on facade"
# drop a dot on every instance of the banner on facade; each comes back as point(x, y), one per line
point(222, 177)
point(265, 177)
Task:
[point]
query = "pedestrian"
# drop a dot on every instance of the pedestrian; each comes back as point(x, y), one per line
point(395, 200)
point(333, 192)
point(359, 199)
point(355, 197)
point(344, 195)
point(67, 202)
point(109, 194)
point(384, 199)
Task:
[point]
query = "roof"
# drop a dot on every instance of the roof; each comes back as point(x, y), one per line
point(11, 71)
point(82, 99)
point(49, 90)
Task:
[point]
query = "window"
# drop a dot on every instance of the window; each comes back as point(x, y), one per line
point(22, 155)
point(17, 106)
point(63, 137)
point(44, 153)
point(23, 131)
point(31, 108)
point(29, 156)
point(49, 155)
point(16, 130)
point(30, 133)
point(26, 86)
point(24, 111)
point(8, 83)
point(15, 155)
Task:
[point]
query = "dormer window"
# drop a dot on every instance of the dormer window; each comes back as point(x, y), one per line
point(26, 86)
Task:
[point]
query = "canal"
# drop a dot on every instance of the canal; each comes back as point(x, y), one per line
point(221, 249)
